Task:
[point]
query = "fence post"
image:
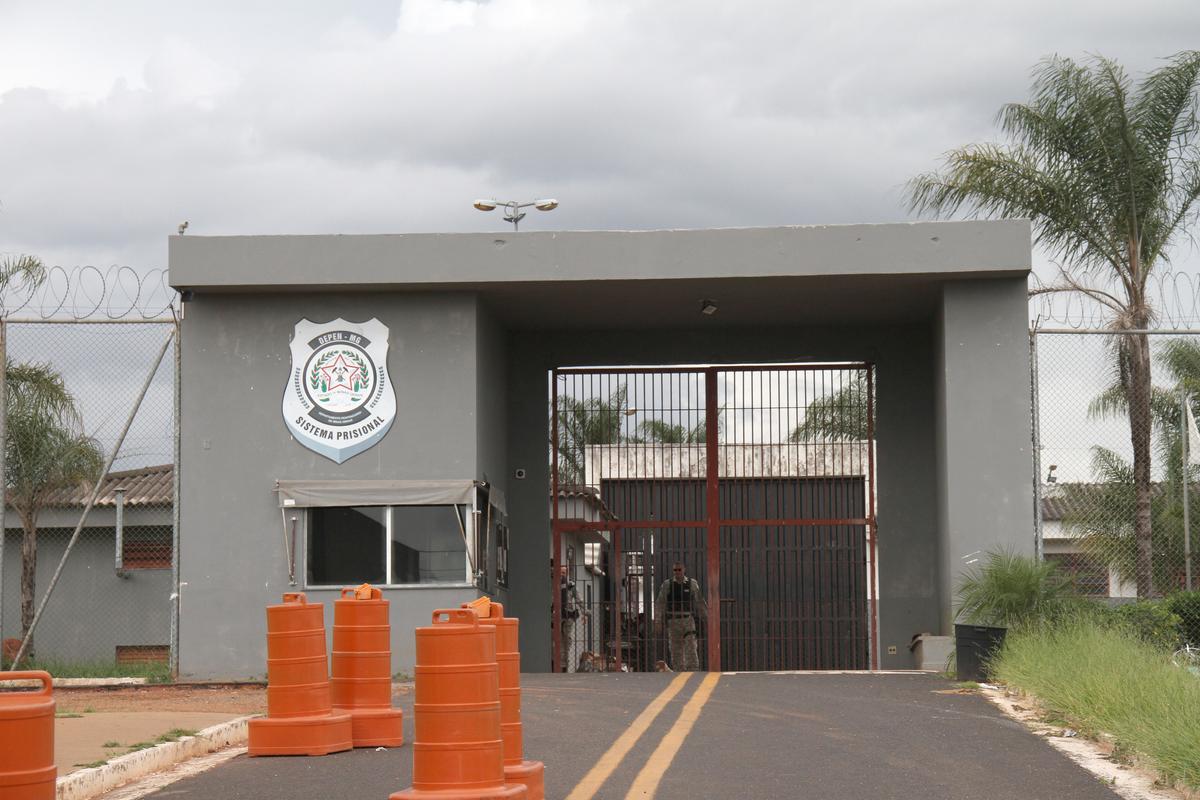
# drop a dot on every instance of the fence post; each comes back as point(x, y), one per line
point(1185, 431)
point(1035, 401)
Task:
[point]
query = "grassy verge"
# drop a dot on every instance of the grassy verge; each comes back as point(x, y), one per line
point(1104, 679)
point(154, 673)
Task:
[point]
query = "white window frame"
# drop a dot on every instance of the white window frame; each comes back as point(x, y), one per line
point(468, 528)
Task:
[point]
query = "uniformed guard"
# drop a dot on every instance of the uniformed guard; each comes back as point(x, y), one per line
point(680, 602)
point(572, 608)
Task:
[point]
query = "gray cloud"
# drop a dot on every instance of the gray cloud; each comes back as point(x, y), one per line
point(380, 117)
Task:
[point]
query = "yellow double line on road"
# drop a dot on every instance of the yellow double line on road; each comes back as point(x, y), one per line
point(646, 783)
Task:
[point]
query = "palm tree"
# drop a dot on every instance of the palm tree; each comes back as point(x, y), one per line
point(45, 452)
point(585, 422)
point(1109, 174)
point(840, 416)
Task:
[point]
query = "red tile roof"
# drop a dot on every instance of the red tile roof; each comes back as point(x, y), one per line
point(147, 486)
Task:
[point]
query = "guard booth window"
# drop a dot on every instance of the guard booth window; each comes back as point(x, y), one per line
point(392, 545)
point(389, 532)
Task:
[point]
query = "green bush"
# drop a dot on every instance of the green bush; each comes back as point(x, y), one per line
point(1010, 590)
point(1149, 620)
point(1186, 605)
point(1103, 678)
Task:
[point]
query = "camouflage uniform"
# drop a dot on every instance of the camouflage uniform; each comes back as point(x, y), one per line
point(679, 603)
point(572, 609)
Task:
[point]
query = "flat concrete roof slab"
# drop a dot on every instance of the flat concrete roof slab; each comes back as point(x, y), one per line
point(468, 260)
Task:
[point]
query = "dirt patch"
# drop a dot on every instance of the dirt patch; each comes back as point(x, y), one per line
point(217, 698)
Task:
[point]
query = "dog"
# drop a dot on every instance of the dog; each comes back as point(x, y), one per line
point(595, 662)
point(661, 666)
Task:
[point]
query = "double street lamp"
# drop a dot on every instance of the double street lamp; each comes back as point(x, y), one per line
point(512, 208)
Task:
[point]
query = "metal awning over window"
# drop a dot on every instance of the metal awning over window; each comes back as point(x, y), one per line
point(325, 494)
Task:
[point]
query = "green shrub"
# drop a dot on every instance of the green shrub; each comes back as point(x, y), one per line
point(1010, 590)
point(1187, 606)
point(1149, 620)
point(1103, 678)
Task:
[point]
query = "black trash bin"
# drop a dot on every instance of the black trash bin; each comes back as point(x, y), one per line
point(974, 646)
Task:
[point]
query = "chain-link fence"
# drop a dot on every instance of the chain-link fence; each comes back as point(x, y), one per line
point(1113, 455)
point(72, 389)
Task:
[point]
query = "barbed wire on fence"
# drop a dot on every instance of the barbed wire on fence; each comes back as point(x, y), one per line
point(1174, 296)
point(86, 292)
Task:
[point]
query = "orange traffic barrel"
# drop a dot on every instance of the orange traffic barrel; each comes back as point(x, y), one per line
point(27, 770)
point(458, 753)
point(300, 719)
point(361, 667)
point(530, 774)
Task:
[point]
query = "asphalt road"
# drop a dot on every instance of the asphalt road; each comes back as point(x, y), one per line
point(834, 737)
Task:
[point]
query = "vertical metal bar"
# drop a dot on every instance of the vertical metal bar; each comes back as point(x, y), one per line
point(617, 571)
point(555, 535)
point(1185, 431)
point(1037, 446)
point(177, 390)
point(712, 506)
point(873, 524)
point(389, 536)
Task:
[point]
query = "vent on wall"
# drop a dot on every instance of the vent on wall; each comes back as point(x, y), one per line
point(142, 654)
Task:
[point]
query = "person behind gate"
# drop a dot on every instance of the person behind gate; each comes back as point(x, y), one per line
point(572, 608)
point(680, 603)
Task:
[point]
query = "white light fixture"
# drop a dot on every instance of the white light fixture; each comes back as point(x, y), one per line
point(708, 307)
point(512, 208)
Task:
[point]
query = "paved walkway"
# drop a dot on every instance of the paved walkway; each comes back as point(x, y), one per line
point(680, 737)
point(82, 740)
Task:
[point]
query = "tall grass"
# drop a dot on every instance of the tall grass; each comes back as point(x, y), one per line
point(1107, 679)
point(154, 672)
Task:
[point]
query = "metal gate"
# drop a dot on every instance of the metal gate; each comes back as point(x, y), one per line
point(758, 479)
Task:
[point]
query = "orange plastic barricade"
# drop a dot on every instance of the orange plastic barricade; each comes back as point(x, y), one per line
point(361, 667)
point(458, 753)
point(27, 770)
point(300, 719)
point(530, 774)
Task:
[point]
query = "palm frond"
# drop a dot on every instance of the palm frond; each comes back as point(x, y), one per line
point(27, 272)
point(841, 416)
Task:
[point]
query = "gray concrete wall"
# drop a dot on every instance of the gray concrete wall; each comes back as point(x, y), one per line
point(92, 610)
point(985, 493)
point(908, 554)
point(235, 445)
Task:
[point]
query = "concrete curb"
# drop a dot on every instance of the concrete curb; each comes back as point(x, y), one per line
point(88, 783)
point(76, 683)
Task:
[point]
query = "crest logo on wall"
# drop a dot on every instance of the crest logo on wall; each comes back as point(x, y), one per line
point(339, 399)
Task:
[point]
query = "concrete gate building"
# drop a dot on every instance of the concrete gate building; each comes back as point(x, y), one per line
point(428, 413)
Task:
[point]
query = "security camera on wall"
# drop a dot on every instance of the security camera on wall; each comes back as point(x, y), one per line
point(519, 474)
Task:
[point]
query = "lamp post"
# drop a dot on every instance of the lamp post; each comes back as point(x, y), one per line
point(512, 208)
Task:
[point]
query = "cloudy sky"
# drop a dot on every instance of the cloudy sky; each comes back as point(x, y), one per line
point(121, 119)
